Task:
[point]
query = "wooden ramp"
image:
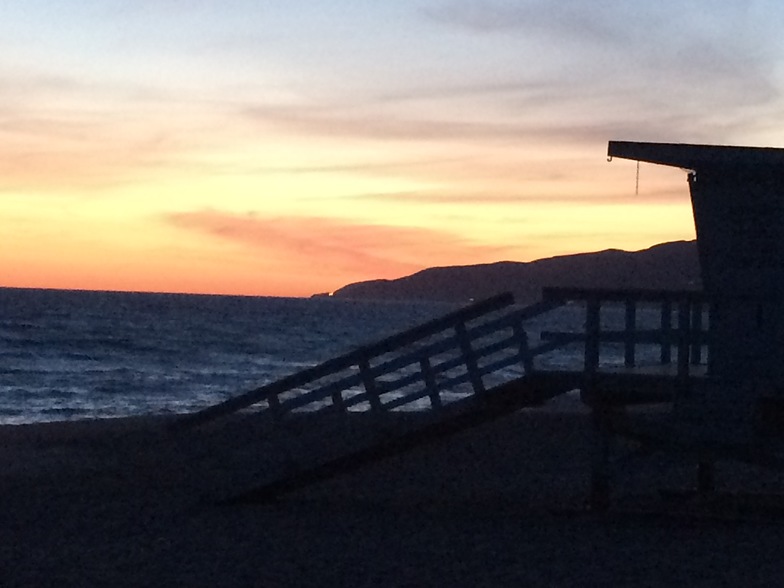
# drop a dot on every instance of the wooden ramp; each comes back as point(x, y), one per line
point(459, 416)
point(463, 369)
point(470, 367)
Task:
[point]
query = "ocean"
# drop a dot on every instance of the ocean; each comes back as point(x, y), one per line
point(68, 355)
point(80, 354)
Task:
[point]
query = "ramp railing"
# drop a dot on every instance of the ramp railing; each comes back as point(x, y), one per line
point(469, 351)
point(435, 363)
point(689, 336)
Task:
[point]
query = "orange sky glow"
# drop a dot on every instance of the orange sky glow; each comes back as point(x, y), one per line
point(246, 148)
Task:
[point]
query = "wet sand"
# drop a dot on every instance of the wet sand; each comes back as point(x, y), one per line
point(129, 503)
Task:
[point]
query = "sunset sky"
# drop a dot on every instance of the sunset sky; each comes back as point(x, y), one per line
point(288, 148)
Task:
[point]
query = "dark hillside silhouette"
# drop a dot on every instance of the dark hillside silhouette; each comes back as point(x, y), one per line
point(666, 266)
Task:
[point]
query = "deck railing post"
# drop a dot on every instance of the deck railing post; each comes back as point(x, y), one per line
point(337, 402)
point(273, 402)
point(369, 382)
point(666, 332)
point(469, 357)
point(696, 331)
point(630, 328)
point(525, 354)
point(430, 383)
point(592, 328)
point(684, 328)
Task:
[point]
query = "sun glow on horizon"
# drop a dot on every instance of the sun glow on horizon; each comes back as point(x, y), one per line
point(209, 147)
point(211, 233)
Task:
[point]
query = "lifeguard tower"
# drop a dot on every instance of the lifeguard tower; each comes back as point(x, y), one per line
point(737, 195)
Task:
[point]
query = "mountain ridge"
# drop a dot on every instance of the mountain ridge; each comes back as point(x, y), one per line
point(667, 266)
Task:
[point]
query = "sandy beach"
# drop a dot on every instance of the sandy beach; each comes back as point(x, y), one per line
point(129, 502)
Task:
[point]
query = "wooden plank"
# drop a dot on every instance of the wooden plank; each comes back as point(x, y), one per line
point(323, 392)
point(641, 336)
point(409, 379)
point(553, 345)
point(438, 368)
point(499, 364)
point(452, 382)
point(508, 343)
point(446, 342)
point(412, 397)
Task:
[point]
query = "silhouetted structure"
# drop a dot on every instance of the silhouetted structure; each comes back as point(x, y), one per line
point(476, 364)
point(737, 195)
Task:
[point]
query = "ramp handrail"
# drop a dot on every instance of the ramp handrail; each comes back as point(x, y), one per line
point(466, 345)
point(445, 352)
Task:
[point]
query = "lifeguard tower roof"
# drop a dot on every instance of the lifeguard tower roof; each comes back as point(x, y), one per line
point(696, 156)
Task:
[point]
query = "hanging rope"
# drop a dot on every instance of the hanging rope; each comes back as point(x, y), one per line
point(637, 180)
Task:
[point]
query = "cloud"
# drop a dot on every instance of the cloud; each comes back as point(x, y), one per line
point(55, 154)
point(390, 166)
point(569, 18)
point(691, 95)
point(709, 59)
point(326, 245)
point(532, 92)
point(60, 132)
point(551, 127)
point(615, 24)
point(381, 126)
point(580, 73)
